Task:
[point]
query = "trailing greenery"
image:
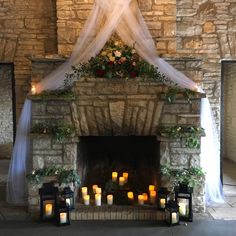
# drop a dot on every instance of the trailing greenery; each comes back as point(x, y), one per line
point(62, 175)
point(58, 132)
point(192, 176)
point(172, 92)
point(190, 134)
point(65, 94)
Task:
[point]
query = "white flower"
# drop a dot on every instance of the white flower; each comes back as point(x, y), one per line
point(117, 54)
point(33, 172)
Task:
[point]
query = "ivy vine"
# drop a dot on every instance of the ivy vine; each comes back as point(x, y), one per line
point(190, 134)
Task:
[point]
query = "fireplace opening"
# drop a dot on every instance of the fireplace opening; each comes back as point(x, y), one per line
point(139, 156)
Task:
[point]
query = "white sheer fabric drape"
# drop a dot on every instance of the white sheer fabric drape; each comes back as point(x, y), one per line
point(106, 17)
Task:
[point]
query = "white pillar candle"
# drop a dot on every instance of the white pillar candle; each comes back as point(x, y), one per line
point(151, 188)
point(84, 191)
point(94, 188)
point(126, 175)
point(130, 195)
point(121, 181)
point(174, 217)
point(114, 176)
point(86, 200)
point(153, 195)
point(63, 217)
point(162, 203)
point(98, 199)
point(48, 209)
point(140, 200)
point(145, 197)
point(182, 209)
point(68, 201)
point(109, 199)
point(98, 190)
point(33, 90)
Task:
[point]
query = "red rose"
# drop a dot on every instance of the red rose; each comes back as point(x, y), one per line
point(133, 74)
point(99, 73)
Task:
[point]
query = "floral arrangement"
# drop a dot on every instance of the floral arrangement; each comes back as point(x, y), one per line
point(191, 177)
point(61, 175)
point(116, 60)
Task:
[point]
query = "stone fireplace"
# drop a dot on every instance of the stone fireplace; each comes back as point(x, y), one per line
point(116, 124)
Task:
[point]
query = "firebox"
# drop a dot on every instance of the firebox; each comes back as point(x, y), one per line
point(138, 156)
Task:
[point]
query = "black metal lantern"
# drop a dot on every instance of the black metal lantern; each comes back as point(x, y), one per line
point(63, 214)
point(48, 198)
point(163, 197)
point(183, 197)
point(172, 213)
point(68, 196)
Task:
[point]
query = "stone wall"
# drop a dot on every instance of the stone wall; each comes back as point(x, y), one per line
point(27, 28)
point(229, 109)
point(6, 114)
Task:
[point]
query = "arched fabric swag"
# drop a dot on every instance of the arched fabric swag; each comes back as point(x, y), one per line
point(124, 18)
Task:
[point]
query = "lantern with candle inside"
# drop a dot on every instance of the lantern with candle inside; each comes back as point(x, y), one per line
point(63, 214)
point(163, 197)
point(48, 198)
point(183, 197)
point(172, 213)
point(68, 196)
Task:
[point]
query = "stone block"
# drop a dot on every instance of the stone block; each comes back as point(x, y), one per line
point(176, 108)
point(38, 108)
point(70, 153)
point(179, 160)
point(53, 160)
point(58, 109)
point(38, 162)
point(41, 143)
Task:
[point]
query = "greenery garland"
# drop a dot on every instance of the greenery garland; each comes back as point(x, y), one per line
point(58, 132)
point(190, 134)
point(192, 176)
point(62, 175)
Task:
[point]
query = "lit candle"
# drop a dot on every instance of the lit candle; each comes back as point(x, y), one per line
point(114, 176)
point(145, 197)
point(98, 190)
point(84, 191)
point(162, 203)
point(86, 200)
point(110, 199)
point(121, 181)
point(48, 209)
point(94, 188)
point(140, 200)
point(98, 199)
point(130, 195)
point(151, 188)
point(182, 209)
point(153, 195)
point(126, 175)
point(68, 201)
point(33, 90)
point(174, 217)
point(63, 217)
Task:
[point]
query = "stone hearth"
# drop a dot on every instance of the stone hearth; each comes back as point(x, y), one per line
point(113, 107)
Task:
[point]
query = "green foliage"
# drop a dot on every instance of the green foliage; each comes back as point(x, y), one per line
point(58, 132)
point(172, 92)
point(65, 94)
point(62, 175)
point(192, 176)
point(190, 134)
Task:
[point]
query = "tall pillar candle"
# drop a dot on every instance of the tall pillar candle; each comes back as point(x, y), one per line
point(98, 199)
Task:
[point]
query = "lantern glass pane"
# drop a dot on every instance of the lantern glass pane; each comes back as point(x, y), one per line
point(183, 207)
point(68, 201)
point(162, 203)
point(48, 208)
point(174, 217)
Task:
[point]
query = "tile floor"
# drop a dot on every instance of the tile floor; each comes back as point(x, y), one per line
point(227, 210)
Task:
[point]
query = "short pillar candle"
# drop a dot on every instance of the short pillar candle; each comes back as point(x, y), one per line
point(126, 175)
point(153, 195)
point(121, 181)
point(86, 200)
point(114, 176)
point(84, 191)
point(98, 199)
point(140, 200)
point(95, 186)
point(109, 199)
